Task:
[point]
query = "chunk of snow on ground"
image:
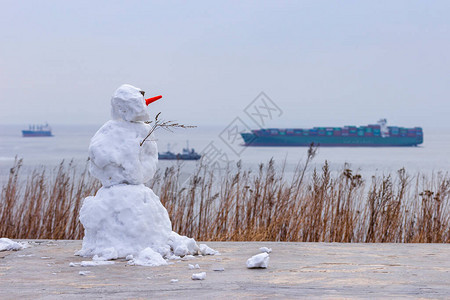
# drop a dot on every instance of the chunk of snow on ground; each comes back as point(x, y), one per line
point(205, 250)
point(218, 269)
point(173, 280)
point(182, 245)
point(129, 257)
point(174, 257)
point(106, 254)
point(45, 257)
point(258, 261)
point(95, 263)
point(188, 257)
point(25, 255)
point(192, 267)
point(74, 264)
point(9, 245)
point(83, 273)
point(199, 276)
point(265, 250)
point(148, 257)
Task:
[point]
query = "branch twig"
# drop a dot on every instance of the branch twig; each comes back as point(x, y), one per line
point(167, 125)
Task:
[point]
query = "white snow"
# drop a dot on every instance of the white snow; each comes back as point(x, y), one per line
point(188, 257)
point(129, 257)
point(9, 245)
point(83, 273)
point(125, 219)
point(199, 276)
point(173, 280)
point(258, 261)
point(116, 156)
point(265, 249)
point(205, 250)
point(128, 104)
point(148, 257)
point(94, 263)
point(182, 245)
point(122, 220)
point(192, 267)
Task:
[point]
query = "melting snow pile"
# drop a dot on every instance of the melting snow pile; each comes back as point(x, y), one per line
point(258, 261)
point(125, 218)
point(9, 245)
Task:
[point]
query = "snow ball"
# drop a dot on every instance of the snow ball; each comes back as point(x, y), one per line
point(258, 261)
point(199, 276)
point(265, 249)
point(192, 267)
point(148, 257)
point(128, 104)
point(173, 280)
point(9, 245)
point(205, 250)
point(122, 220)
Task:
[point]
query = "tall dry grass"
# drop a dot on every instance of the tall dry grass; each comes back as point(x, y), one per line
point(241, 205)
point(46, 204)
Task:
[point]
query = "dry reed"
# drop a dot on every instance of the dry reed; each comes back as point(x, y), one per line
point(241, 205)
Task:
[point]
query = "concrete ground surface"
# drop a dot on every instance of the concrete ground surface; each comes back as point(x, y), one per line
point(296, 270)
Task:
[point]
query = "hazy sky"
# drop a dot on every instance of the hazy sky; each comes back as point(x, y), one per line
point(322, 62)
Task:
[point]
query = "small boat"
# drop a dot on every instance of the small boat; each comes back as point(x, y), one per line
point(186, 154)
point(37, 131)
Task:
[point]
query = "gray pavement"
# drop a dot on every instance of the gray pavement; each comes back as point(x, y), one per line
point(296, 270)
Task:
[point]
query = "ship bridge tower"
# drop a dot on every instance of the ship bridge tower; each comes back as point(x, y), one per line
point(384, 130)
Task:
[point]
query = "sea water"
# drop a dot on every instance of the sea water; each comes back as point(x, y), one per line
point(71, 142)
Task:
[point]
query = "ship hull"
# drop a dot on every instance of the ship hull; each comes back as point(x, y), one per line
point(32, 133)
point(177, 158)
point(251, 139)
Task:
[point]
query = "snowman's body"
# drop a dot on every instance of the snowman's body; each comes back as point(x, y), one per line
point(124, 217)
point(116, 157)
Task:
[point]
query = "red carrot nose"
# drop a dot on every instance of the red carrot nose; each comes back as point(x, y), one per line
point(152, 99)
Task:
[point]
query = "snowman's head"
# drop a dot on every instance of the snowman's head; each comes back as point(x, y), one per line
point(128, 104)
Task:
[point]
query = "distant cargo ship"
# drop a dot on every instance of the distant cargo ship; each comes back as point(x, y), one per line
point(37, 131)
point(378, 135)
point(186, 154)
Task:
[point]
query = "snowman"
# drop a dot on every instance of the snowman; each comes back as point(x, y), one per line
point(125, 219)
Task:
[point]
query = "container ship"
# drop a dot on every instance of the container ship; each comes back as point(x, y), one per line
point(37, 131)
point(377, 135)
